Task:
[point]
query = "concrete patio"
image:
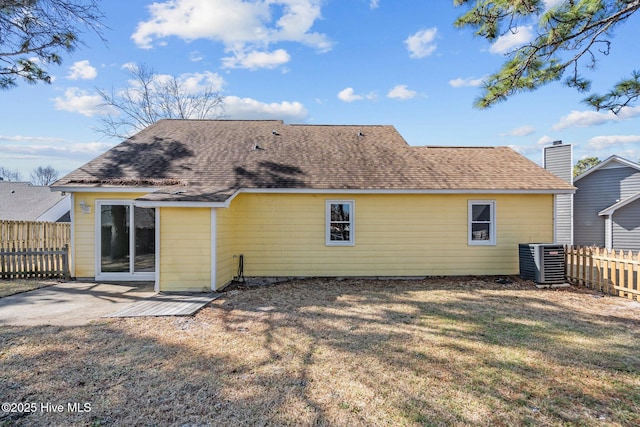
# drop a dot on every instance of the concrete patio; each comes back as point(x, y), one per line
point(71, 303)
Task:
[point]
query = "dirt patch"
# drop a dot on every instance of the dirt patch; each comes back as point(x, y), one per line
point(439, 351)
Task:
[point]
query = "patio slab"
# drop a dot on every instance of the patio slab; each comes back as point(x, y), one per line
point(70, 303)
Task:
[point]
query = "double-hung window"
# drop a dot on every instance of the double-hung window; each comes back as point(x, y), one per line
point(482, 222)
point(339, 223)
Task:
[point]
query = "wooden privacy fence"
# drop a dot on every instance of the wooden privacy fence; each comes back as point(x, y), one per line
point(34, 249)
point(34, 234)
point(611, 272)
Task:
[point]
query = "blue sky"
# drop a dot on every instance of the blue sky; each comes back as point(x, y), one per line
point(399, 63)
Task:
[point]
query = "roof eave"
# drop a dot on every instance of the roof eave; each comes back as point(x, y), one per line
point(622, 203)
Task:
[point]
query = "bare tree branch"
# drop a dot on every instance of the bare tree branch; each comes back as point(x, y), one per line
point(44, 175)
point(151, 97)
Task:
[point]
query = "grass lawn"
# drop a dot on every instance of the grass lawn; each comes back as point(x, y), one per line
point(11, 287)
point(440, 351)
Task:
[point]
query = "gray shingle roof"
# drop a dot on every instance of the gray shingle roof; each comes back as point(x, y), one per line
point(22, 201)
point(208, 160)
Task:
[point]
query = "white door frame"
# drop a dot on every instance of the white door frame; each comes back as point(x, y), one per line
point(123, 276)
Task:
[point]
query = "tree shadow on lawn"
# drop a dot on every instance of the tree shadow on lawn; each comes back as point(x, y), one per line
point(322, 352)
point(437, 352)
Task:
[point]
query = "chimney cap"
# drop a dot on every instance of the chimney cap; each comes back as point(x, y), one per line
point(559, 142)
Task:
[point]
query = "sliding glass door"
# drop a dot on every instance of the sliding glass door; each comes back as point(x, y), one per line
point(127, 242)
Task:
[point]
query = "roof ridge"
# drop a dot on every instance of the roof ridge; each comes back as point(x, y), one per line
point(457, 147)
point(223, 120)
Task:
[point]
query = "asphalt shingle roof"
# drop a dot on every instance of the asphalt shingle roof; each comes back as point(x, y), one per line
point(209, 160)
point(22, 201)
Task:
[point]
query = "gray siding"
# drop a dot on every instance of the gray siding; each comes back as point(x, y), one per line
point(558, 160)
point(597, 191)
point(563, 219)
point(626, 227)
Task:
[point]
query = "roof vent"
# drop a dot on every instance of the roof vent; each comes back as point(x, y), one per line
point(275, 133)
point(360, 133)
point(257, 147)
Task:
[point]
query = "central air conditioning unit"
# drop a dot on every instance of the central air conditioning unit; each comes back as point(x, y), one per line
point(542, 262)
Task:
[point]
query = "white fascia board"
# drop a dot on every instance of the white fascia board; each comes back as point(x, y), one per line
point(386, 191)
point(56, 211)
point(227, 202)
point(179, 204)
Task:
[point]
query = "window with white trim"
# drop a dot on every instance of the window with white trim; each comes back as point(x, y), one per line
point(339, 223)
point(482, 222)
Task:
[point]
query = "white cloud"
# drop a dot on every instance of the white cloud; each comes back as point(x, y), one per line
point(251, 109)
point(195, 56)
point(349, 95)
point(401, 92)
point(422, 43)
point(80, 101)
point(56, 150)
point(193, 82)
point(583, 119)
point(82, 70)
point(628, 112)
point(129, 66)
point(520, 131)
point(516, 37)
point(602, 142)
point(468, 82)
point(38, 139)
point(545, 140)
point(374, 4)
point(255, 60)
point(593, 118)
point(241, 25)
point(198, 82)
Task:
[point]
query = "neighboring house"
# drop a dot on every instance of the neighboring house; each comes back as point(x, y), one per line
point(22, 201)
point(607, 205)
point(184, 201)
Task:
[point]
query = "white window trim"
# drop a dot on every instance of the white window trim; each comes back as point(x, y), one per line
point(492, 228)
point(122, 276)
point(327, 225)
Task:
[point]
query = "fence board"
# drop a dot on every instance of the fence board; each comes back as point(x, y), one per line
point(28, 263)
point(34, 234)
point(610, 272)
point(34, 249)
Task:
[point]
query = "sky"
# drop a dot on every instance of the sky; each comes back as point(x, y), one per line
point(355, 62)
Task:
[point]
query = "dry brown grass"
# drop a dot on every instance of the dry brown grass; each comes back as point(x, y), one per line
point(11, 287)
point(462, 351)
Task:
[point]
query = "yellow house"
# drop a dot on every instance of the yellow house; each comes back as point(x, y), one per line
point(194, 204)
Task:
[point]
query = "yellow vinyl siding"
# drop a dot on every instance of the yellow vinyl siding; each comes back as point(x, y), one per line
point(283, 235)
point(395, 235)
point(84, 244)
point(225, 265)
point(185, 249)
